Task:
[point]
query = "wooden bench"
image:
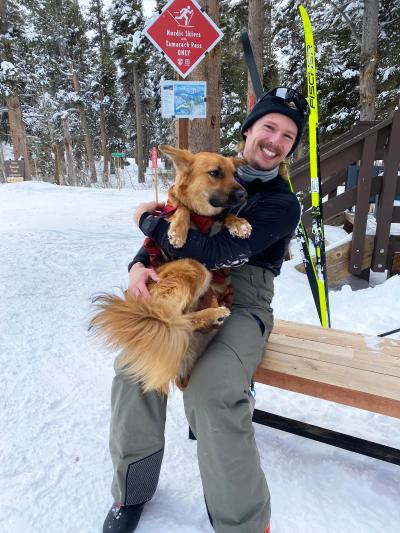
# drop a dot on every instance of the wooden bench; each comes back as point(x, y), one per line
point(349, 368)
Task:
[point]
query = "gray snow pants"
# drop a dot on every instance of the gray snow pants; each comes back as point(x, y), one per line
point(217, 409)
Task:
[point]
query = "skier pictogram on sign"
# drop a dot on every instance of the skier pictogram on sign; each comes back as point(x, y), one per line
point(186, 14)
point(184, 34)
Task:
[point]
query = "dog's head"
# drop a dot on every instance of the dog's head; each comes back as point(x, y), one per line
point(206, 182)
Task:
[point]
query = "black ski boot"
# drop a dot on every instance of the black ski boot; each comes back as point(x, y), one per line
point(122, 519)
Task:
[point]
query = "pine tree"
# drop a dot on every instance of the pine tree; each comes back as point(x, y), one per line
point(234, 74)
point(80, 60)
point(389, 57)
point(159, 130)
point(256, 25)
point(235, 18)
point(129, 49)
point(65, 103)
point(204, 134)
point(337, 62)
point(13, 78)
point(104, 87)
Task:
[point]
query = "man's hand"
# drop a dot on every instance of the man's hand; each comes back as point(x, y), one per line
point(139, 275)
point(146, 207)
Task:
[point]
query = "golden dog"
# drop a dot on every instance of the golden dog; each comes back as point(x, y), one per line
point(156, 334)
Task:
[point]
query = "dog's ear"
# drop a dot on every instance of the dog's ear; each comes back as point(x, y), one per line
point(238, 161)
point(180, 158)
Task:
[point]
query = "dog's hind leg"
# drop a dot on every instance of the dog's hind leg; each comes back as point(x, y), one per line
point(214, 300)
point(207, 317)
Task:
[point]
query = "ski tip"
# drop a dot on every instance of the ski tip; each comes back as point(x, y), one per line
point(304, 15)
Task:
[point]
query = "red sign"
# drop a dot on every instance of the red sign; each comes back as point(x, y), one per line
point(154, 157)
point(184, 33)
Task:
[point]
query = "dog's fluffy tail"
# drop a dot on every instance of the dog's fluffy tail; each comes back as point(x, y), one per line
point(153, 337)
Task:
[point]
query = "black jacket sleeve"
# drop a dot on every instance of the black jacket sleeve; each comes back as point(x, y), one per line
point(273, 217)
point(141, 257)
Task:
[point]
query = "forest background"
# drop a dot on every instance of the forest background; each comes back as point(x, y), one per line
point(79, 81)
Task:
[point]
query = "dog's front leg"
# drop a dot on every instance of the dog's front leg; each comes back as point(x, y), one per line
point(179, 226)
point(238, 227)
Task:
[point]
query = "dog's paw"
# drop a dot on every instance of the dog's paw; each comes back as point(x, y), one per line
point(182, 382)
point(240, 228)
point(175, 239)
point(221, 314)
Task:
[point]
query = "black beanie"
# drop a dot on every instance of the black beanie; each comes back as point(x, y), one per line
point(273, 104)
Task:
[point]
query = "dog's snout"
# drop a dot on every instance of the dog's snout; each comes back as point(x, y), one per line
point(233, 198)
point(239, 196)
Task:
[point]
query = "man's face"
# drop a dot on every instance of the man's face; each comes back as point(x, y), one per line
point(269, 140)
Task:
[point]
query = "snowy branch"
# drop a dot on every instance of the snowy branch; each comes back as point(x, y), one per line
point(346, 17)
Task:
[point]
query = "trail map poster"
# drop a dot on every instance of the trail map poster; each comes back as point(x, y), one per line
point(183, 99)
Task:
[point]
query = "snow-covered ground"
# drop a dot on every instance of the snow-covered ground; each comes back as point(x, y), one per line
point(61, 245)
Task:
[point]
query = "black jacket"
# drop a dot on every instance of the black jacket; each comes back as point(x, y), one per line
point(273, 212)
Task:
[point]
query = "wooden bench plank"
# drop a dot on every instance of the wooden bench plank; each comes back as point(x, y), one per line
point(353, 379)
point(350, 356)
point(350, 368)
point(337, 337)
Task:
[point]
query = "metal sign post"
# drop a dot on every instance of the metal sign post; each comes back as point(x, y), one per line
point(116, 157)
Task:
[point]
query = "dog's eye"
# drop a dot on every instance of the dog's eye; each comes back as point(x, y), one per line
point(215, 173)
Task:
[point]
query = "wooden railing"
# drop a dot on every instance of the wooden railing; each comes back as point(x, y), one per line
point(366, 144)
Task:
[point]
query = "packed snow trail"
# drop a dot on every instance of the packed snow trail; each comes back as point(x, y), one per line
point(59, 247)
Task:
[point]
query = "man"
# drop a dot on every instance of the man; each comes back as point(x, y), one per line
point(216, 399)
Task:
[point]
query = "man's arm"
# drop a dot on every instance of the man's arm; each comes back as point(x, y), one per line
point(271, 220)
point(141, 256)
point(140, 273)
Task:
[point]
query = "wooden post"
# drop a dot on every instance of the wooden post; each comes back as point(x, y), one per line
point(387, 196)
point(395, 268)
point(182, 129)
point(36, 172)
point(182, 133)
point(365, 175)
point(156, 183)
point(2, 169)
point(154, 164)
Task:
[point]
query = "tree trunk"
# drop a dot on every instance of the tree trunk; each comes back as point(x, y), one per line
point(103, 140)
point(368, 60)
point(2, 166)
point(139, 126)
point(86, 132)
point(272, 72)
point(18, 133)
point(60, 148)
point(103, 131)
point(204, 134)
point(71, 171)
point(57, 165)
point(256, 35)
